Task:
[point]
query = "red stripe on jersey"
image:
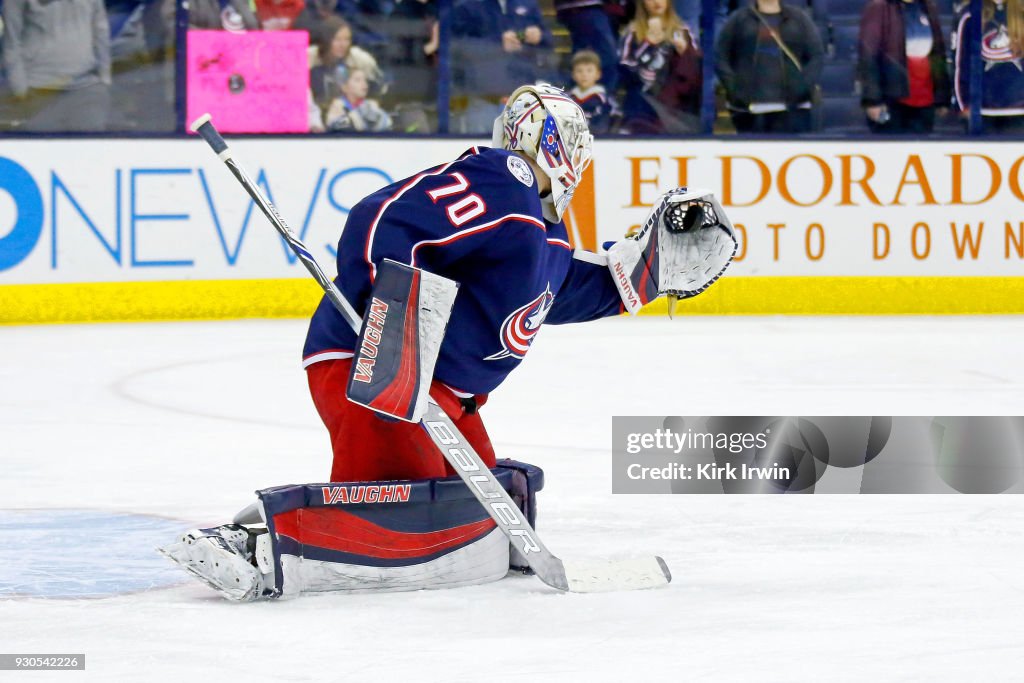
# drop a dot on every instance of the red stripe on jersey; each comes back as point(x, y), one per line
point(559, 243)
point(472, 231)
point(437, 170)
point(336, 529)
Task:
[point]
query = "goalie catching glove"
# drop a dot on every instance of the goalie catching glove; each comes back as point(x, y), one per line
point(685, 244)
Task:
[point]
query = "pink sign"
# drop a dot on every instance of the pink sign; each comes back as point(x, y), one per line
point(254, 82)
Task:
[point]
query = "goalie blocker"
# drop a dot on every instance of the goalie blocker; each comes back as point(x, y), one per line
point(400, 339)
point(685, 244)
point(357, 537)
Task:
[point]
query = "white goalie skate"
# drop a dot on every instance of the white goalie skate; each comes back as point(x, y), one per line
point(221, 558)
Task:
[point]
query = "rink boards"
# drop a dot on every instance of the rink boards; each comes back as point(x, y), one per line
point(158, 229)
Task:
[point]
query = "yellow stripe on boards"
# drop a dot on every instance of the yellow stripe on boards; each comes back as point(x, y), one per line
point(855, 295)
point(297, 298)
point(174, 300)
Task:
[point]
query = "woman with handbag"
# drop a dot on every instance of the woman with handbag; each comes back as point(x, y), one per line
point(769, 58)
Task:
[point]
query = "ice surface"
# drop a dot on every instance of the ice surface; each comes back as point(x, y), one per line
point(185, 420)
point(82, 553)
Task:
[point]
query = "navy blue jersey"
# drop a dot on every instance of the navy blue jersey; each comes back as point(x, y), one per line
point(596, 106)
point(477, 220)
point(1002, 80)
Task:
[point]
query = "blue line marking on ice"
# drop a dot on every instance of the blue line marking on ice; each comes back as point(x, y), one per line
point(84, 553)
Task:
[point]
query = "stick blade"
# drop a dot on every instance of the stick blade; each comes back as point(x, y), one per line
point(599, 576)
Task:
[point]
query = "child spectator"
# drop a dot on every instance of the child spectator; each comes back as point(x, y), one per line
point(588, 93)
point(353, 110)
point(335, 56)
point(1001, 51)
point(661, 71)
point(902, 66)
point(769, 58)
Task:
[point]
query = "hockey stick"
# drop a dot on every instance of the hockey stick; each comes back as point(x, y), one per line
point(580, 577)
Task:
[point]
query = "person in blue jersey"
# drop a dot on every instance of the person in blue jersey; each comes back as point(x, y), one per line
point(1002, 54)
point(492, 221)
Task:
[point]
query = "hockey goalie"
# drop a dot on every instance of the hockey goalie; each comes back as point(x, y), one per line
point(453, 272)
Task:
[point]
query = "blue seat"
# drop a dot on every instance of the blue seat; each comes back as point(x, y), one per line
point(843, 115)
point(845, 8)
point(845, 36)
point(837, 79)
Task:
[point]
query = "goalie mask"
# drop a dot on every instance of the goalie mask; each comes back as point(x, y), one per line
point(544, 123)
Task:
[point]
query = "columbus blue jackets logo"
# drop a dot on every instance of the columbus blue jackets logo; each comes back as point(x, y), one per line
point(997, 48)
point(522, 325)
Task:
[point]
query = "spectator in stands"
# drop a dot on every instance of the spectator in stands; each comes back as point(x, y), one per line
point(902, 66)
point(497, 45)
point(661, 72)
point(769, 58)
point(591, 28)
point(353, 110)
point(1002, 77)
point(336, 55)
point(588, 93)
point(57, 56)
point(278, 15)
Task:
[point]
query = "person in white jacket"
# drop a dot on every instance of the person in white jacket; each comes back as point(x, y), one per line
point(57, 56)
